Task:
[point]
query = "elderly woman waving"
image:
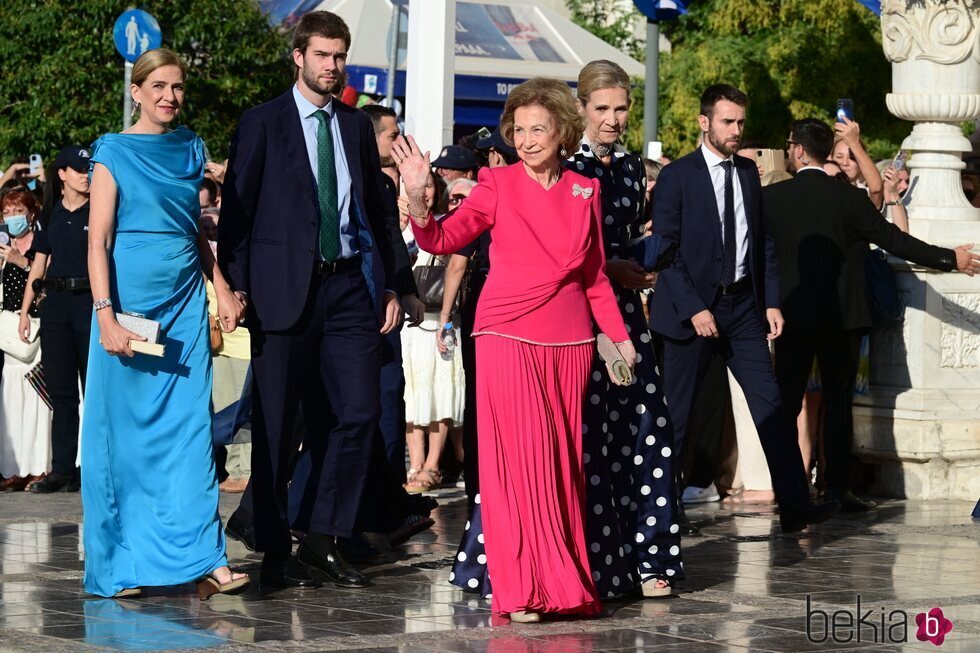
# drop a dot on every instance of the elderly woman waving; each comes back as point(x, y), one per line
point(534, 346)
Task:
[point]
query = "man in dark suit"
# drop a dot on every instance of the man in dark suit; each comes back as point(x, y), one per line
point(822, 229)
point(304, 236)
point(721, 294)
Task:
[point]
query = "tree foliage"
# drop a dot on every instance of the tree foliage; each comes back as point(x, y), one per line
point(613, 21)
point(794, 58)
point(61, 81)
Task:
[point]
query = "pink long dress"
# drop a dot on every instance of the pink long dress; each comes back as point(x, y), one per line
point(534, 349)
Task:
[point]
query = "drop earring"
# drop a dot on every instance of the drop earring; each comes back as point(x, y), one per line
point(136, 107)
point(563, 152)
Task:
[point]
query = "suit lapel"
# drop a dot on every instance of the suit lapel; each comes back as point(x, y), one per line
point(748, 198)
point(352, 144)
point(294, 145)
point(712, 212)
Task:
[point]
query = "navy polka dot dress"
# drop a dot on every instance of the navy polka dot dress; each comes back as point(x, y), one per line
point(631, 523)
point(631, 499)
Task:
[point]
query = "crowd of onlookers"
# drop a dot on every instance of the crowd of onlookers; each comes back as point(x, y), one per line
point(435, 364)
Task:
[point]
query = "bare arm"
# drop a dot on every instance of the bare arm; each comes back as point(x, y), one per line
point(231, 305)
point(101, 225)
point(38, 270)
point(455, 269)
point(894, 209)
point(850, 132)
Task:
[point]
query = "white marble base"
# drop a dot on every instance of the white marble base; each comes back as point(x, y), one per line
point(921, 422)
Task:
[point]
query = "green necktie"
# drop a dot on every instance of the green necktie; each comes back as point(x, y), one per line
point(326, 190)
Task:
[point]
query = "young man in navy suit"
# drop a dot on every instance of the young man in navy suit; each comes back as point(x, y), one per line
point(721, 294)
point(303, 235)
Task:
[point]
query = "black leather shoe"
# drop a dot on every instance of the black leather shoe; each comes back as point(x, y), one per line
point(52, 483)
point(850, 502)
point(241, 529)
point(285, 572)
point(321, 553)
point(687, 529)
point(797, 518)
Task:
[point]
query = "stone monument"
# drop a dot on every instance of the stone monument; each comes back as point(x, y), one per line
point(920, 423)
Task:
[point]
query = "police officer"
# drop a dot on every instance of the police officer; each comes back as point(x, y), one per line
point(60, 272)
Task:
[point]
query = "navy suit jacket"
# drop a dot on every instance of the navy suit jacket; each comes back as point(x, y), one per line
point(268, 235)
point(685, 212)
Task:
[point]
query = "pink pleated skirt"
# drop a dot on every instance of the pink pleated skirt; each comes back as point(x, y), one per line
point(532, 486)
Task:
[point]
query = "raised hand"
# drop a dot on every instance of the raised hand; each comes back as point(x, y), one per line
point(849, 131)
point(413, 166)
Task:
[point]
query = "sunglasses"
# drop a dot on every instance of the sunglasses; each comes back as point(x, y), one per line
point(456, 199)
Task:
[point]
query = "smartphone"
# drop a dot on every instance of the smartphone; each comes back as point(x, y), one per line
point(35, 162)
point(770, 160)
point(655, 150)
point(4, 234)
point(899, 161)
point(845, 107)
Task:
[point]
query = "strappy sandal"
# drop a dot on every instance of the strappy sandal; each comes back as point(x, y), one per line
point(419, 484)
point(651, 590)
point(209, 585)
point(410, 476)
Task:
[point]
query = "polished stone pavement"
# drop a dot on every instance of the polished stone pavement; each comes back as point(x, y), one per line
point(747, 591)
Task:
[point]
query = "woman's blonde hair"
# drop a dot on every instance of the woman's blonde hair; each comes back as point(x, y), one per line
point(556, 98)
point(600, 74)
point(153, 59)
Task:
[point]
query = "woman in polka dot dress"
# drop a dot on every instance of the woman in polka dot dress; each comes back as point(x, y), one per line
point(631, 500)
point(631, 512)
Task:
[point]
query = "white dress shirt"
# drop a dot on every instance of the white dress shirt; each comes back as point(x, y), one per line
point(311, 127)
point(741, 221)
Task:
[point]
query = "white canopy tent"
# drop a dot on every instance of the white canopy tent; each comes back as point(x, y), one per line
point(499, 43)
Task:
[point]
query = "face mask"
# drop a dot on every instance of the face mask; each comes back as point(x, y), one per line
point(17, 224)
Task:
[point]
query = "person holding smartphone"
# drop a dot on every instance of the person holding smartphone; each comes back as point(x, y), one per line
point(850, 154)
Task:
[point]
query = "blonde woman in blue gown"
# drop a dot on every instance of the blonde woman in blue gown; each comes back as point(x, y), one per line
point(149, 490)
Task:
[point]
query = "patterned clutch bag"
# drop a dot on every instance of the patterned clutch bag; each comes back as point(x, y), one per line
point(141, 326)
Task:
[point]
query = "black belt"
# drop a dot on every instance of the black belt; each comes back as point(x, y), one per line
point(73, 284)
point(743, 285)
point(325, 269)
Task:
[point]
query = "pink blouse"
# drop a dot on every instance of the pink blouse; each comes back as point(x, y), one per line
point(547, 266)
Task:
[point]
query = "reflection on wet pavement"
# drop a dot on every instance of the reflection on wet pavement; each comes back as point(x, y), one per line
point(748, 590)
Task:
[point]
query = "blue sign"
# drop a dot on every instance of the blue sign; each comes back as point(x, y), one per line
point(135, 32)
point(661, 9)
point(873, 5)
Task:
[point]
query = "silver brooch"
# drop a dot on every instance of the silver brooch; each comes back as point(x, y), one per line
point(584, 192)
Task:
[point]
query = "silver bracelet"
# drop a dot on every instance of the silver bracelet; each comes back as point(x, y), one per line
point(99, 304)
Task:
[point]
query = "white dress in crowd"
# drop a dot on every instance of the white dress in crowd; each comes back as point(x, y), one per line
point(435, 388)
point(25, 420)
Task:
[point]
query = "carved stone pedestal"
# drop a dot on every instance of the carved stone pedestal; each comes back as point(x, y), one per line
point(921, 422)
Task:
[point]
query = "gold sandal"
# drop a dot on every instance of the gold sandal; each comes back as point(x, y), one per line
point(209, 585)
point(418, 485)
point(128, 593)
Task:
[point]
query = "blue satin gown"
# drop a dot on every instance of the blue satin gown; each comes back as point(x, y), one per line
point(149, 490)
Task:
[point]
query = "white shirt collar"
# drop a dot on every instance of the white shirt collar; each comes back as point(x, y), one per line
point(307, 108)
point(711, 158)
point(811, 168)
